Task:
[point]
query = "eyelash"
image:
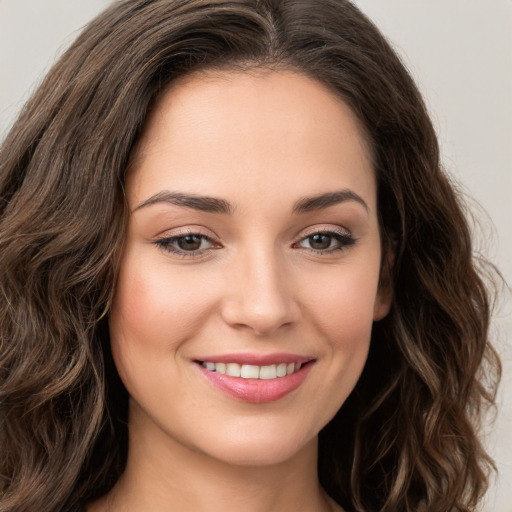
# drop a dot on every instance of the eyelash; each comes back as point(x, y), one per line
point(166, 244)
point(344, 240)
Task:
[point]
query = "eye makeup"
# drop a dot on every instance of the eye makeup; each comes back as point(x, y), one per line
point(195, 244)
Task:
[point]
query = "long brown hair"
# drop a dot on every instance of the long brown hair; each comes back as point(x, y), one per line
point(406, 439)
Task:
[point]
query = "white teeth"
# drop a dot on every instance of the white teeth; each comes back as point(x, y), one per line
point(249, 371)
point(232, 369)
point(268, 372)
point(281, 370)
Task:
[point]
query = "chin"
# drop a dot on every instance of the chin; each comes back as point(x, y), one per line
point(260, 448)
point(257, 456)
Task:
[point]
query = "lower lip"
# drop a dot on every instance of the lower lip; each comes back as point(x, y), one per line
point(257, 390)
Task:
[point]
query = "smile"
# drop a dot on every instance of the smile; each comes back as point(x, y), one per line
point(253, 378)
point(249, 371)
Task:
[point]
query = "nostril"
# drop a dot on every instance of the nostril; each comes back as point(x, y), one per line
point(241, 315)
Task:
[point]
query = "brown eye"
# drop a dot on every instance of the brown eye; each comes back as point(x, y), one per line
point(320, 241)
point(326, 242)
point(189, 242)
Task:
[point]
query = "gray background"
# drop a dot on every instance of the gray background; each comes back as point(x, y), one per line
point(459, 51)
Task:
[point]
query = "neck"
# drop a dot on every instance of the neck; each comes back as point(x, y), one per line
point(163, 475)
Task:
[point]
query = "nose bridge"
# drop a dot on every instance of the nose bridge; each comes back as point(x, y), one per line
point(260, 295)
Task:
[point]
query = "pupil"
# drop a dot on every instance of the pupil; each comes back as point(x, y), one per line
point(320, 241)
point(189, 242)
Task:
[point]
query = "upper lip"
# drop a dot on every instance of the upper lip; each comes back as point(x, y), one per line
point(256, 359)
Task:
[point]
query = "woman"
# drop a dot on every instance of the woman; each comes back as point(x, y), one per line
point(234, 273)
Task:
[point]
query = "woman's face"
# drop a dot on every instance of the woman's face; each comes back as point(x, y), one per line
point(253, 249)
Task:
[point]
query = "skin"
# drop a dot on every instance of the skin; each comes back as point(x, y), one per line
point(262, 142)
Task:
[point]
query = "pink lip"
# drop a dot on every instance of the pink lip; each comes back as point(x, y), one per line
point(256, 390)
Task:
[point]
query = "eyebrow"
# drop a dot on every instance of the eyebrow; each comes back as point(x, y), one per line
point(215, 205)
point(196, 202)
point(308, 204)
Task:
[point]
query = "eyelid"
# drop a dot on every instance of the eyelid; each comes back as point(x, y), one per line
point(325, 229)
point(192, 229)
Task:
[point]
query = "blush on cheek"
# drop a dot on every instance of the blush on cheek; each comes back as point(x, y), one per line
point(345, 321)
point(132, 306)
point(346, 301)
point(159, 308)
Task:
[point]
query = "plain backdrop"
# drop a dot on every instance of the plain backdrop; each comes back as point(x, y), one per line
point(460, 53)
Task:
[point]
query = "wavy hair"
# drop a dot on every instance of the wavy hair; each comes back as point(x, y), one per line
point(407, 437)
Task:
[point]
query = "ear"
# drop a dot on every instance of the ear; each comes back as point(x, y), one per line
point(384, 296)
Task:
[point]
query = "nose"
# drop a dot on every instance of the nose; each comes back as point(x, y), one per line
point(259, 295)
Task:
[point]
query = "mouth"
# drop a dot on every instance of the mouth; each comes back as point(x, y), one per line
point(250, 371)
point(271, 380)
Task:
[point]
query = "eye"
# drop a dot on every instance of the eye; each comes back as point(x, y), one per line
point(327, 241)
point(188, 244)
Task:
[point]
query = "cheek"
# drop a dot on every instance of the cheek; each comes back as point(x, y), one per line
point(344, 307)
point(153, 314)
point(341, 319)
point(342, 316)
point(153, 307)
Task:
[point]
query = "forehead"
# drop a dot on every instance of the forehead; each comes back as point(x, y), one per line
point(244, 131)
